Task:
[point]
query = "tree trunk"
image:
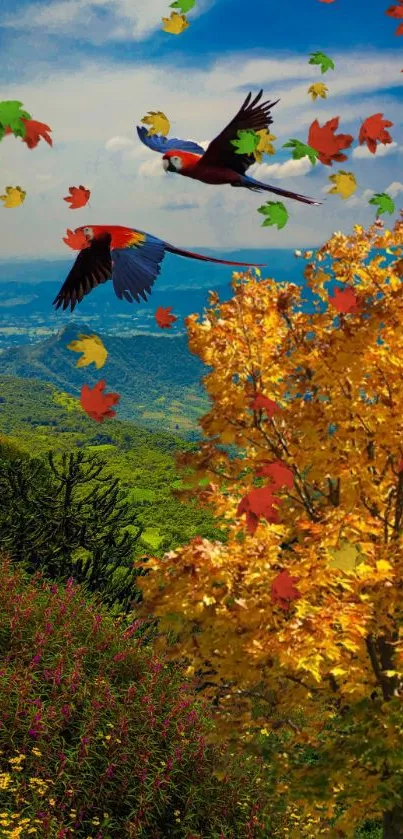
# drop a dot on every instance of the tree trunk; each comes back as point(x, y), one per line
point(393, 824)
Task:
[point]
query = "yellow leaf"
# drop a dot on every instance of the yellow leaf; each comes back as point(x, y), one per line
point(391, 673)
point(159, 123)
point(265, 144)
point(14, 197)
point(383, 565)
point(318, 89)
point(175, 24)
point(345, 184)
point(345, 558)
point(92, 348)
point(339, 671)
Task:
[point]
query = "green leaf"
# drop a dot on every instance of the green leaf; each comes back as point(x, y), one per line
point(11, 116)
point(276, 214)
point(2, 131)
point(183, 5)
point(384, 203)
point(247, 142)
point(301, 150)
point(323, 60)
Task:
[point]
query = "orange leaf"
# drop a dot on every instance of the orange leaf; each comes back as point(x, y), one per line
point(283, 590)
point(397, 12)
point(280, 474)
point(79, 197)
point(373, 129)
point(164, 318)
point(327, 143)
point(96, 403)
point(344, 300)
point(76, 240)
point(263, 402)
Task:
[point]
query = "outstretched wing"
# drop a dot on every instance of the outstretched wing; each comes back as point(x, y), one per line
point(161, 144)
point(135, 268)
point(92, 267)
point(221, 152)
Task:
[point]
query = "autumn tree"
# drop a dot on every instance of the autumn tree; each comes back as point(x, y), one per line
point(302, 607)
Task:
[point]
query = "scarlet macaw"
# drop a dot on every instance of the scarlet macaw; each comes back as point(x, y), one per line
point(220, 164)
point(131, 258)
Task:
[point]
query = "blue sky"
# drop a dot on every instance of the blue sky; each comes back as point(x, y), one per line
point(93, 70)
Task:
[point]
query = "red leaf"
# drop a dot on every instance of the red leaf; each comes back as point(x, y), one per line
point(400, 466)
point(164, 318)
point(327, 143)
point(283, 590)
point(280, 474)
point(373, 129)
point(258, 503)
point(96, 403)
point(344, 300)
point(76, 240)
point(260, 401)
point(79, 197)
point(36, 131)
point(397, 12)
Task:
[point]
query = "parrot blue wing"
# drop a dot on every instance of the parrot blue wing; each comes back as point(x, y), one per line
point(135, 269)
point(156, 142)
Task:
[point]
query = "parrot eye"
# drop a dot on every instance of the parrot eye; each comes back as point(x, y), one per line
point(88, 231)
point(176, 162)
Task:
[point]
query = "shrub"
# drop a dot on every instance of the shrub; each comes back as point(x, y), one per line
point(98, 737)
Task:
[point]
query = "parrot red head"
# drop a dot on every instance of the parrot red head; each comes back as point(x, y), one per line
point(175, 161)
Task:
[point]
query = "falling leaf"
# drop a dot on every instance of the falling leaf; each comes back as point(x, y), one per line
point(276, 214)
point(96, 404)
point(183, 5)
point(79, 197)
point(261, 402)
point(345, 184)
point(265, 145)
point(12, 117)
point(164, 318)
point(283, 591)
point(301, 150)
point(393, 11)
point(327, 143)
point(175, 24)
point(92, 348)
point(246, 142)
point(280, 474)
point(76, 240)
point(324, 62)
point(384, 203)
point(345, 300)
point(258, 503)
point(14, 197)
point(345, 558)
point(318, 89)
point(158, 121)
point(373, 129)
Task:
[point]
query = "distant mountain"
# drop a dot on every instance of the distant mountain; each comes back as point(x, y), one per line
point(158, 379)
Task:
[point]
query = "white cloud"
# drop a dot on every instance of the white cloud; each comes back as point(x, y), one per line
point(381, 151)
point(119, 144)
point(394, 188)
point(290, 169)
point(152, 168)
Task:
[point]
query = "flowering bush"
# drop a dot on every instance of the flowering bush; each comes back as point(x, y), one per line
point(98, 737)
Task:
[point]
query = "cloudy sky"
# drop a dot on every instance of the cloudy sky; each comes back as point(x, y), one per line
point(91, 69)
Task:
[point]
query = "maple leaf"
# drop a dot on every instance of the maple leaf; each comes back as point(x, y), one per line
point(318, 89)
point(183, 5)
point(373, 129)
point(12, 117)
point(280, 474)
point(258, 503)
point(79, 197)
point(275, 212)
point(384, 203)
point(345, 184)
point(345, 300)
point(92, 348)
point(34, 131)
point(322, 60)
point(345, 558)
point(164, 318)
point(265, 145)
point(283, 591)
point(14, 197)
point(76, 240)
point(327, 143)
point(246, 142)
point(96, 404)
point(175, 24)
point(301, 150)
point(261, 402)
point(396, 12)
point(158, 122)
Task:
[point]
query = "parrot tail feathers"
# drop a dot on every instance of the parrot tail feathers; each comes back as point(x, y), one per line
point(258, 186)
point(191, 255)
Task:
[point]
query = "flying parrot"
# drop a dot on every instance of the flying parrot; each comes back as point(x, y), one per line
point(131, 258)
point(220, 163)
